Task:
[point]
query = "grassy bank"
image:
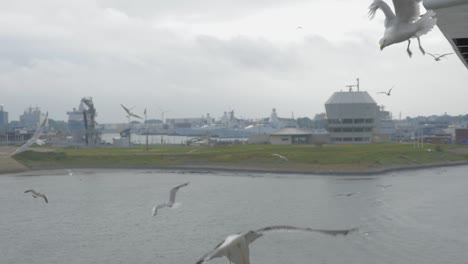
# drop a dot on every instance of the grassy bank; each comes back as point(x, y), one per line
point(349, 158)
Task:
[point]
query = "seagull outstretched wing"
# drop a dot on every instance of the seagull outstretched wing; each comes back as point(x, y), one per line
point(157, 207)
point(126, 109)
point(407, 10)
point(174, 190)
point(379, 4)
point(34, 138)
point(343, 232)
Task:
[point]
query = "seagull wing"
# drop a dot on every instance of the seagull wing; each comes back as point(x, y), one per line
point(446, 54)
point(157, 207)
point(33, 139)
point(379, 4)
point(234, 247)
point(134, 115)
point(174, 191)
point(215, 253)
point(305, 229)
point(126, 109)
point(43, 196)
point(432, 55)
point(389, 91)
point(407, 10)
point(31, 190)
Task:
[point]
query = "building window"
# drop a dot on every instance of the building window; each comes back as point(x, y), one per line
point(358, 129)
point(299, 139)
point(366, 139)
point(284, 139)
point(347, 129)
point(347, 139)
point(347, 121)
point(358, 121)
point(358, 139)
point(337, 139)
point(367, 129)
point(337, 130)
point(369, 121)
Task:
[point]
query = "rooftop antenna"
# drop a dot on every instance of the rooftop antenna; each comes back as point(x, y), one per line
point(357, 85)
point(350, 87)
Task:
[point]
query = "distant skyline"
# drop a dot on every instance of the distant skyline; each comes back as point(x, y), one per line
point(209, 56)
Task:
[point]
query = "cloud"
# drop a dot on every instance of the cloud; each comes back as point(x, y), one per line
point(53, 54)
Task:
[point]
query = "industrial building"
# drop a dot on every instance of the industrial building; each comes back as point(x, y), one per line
point(452, 21)
point(352, 117)
point(296, 136)
point(31, 118)
point(3, 117)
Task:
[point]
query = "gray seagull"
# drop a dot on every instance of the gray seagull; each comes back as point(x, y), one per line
point(437, 57)
point(236, 247)
point(387, 93)
point(37, 194)
point(171, 202)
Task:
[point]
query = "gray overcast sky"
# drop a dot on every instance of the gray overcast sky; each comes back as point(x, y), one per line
point(193, 57)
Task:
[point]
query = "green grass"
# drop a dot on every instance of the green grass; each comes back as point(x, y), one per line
point(301, 158)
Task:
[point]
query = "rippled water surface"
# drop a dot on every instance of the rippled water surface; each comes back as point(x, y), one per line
point(104, 216)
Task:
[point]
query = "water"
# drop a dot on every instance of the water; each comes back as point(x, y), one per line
point(104, 216)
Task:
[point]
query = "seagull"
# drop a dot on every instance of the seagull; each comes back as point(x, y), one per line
point(34, 138)
point(387, 93)
point(280, 156)
point(236, 247)
point(171, 199)
point(36, 194)
point(348, 194)
point(405, 24)
point(129, 112)
point(384, 186)
point(437, 57)
point(299, 27)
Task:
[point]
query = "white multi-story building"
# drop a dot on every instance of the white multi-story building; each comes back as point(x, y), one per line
point(352, 117)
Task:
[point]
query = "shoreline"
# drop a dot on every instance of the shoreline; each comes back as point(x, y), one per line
point(213, 170)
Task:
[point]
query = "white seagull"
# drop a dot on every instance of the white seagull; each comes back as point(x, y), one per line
point(236, 247)
point(171, 199)
point(280, 156)
point(34, 138)
point(405, 24)
point(37, 194)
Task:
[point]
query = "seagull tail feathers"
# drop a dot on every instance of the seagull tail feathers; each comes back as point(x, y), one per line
point(426, 23)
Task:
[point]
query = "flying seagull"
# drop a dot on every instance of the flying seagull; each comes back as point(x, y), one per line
point(280, 156)
point(34, 138)
point(348, 194)
point(129, 112)
point(37, 194)
point(299, 27)
point(387, 93)
point(437, 57)
point(405, 24)
point(236, 247)
point(171, 199)
point(384, 186)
